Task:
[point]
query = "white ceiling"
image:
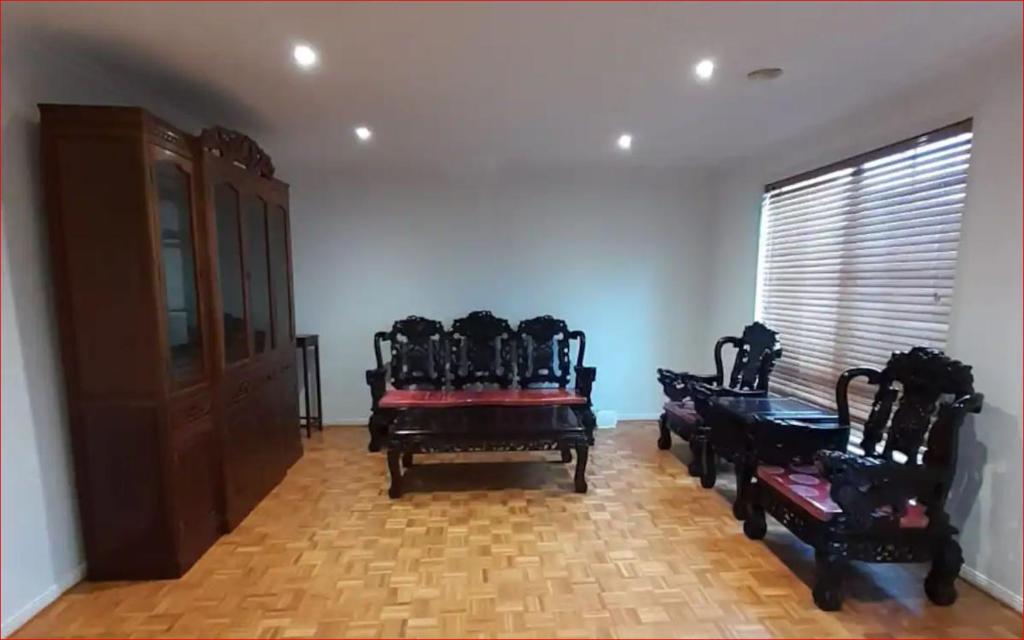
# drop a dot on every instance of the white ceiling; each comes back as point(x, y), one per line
point(532, 83)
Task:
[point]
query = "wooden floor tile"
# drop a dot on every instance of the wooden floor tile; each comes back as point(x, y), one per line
point(506, 549)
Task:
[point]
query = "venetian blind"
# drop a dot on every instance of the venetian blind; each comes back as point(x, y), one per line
point(858, 259)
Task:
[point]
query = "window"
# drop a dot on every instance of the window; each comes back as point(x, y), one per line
point(858, 258)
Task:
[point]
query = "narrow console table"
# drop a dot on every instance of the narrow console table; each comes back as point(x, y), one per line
point(768, 430)
point(543, 428)
point(308, 419)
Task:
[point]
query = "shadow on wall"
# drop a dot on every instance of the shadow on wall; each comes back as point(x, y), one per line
point(145, 74)
point(972, 457)
point(983, 477)
point(26, 251)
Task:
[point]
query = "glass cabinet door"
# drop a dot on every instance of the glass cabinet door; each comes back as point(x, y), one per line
point(177, 252)
point(229, 272)
point(254, 220)
point(279, 280)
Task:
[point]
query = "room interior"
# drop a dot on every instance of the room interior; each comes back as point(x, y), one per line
point(624, 168)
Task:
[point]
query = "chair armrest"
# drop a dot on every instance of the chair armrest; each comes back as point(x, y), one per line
point(872, 489)
point(676, 384)
point(719, 367)
point(582, 337)
point(874, 376)
point(377, 379)
point(585, 377)
point(969, 404)
point(379, 337)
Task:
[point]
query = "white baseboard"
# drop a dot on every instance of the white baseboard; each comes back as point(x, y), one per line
point(40, 602)
point(992, 588)
point(347, 422)
point(639, 416)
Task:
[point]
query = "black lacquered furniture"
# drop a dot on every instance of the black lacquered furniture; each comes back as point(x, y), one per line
point(757, 350)
point(888, 504)
point(771, 430)
point(310, 417)
point(417, 360)
point(480, 362)
point(467, 429)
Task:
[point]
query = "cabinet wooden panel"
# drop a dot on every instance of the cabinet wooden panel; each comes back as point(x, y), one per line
point(167, 292)
point(195, 474)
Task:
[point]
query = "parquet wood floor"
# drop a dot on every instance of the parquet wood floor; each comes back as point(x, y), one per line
point(508, 550)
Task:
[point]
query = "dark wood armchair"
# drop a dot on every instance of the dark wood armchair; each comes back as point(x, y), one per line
point(757, 350)
point(542, 357)
point(418, 357)
point(886, 506)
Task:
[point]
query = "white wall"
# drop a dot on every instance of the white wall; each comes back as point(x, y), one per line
point(41, 550)
point(616, 252)
point(986, 324)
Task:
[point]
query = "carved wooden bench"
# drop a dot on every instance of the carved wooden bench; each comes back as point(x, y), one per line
point(480, 362)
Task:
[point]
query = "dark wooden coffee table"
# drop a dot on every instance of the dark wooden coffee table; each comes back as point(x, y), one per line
point(462, 429)
point(769, 430)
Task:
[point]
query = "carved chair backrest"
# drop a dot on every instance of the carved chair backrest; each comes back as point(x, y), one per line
point(914, 402)
point(756, 352)
point(542, 351)
point(418, 353)
point(480, 350)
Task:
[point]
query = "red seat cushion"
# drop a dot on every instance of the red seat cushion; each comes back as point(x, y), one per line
point(805, 487)
point(413, 398)
point(424, 399)
point(682, 411)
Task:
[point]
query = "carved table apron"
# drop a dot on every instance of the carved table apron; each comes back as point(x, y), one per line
point(456, 429)
point(770, 430)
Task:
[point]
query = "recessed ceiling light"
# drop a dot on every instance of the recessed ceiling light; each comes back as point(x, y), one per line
point(625, 142)
point(305, 55)
point(705, 69)
point(364, 133)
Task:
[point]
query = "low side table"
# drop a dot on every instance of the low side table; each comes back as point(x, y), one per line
point(771, 430)
point(305, 343)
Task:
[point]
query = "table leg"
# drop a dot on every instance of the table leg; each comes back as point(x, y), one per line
point(305, 390)
point(566, 455)
point(708, 461)
point(319, 395)
point(407, 459)
point(581, 467)
point(395, 470)
point(744, 473)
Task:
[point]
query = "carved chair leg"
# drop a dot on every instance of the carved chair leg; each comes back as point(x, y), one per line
point(940, 585)
point(395, 470)
point(828, 584)
point(407, 459)
point(709, 472)
point(566, 454)
point(695, 468)
point(581, 467)
point(378, 428)
point(754, 526)
point(664, 435)
point(589, 421)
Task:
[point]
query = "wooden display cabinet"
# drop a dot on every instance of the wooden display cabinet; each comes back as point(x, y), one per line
point(172, 443)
